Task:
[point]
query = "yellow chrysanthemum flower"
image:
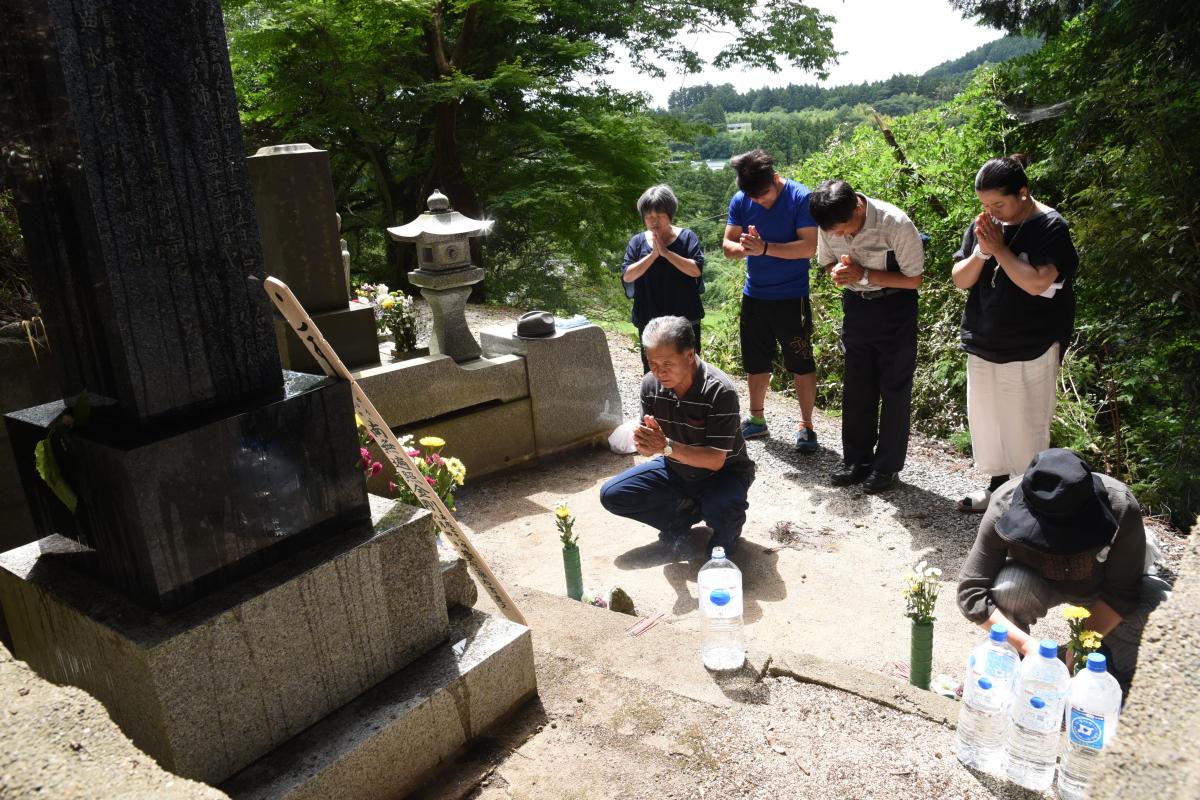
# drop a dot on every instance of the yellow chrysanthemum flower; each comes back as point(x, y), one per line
point(1076, 612)
point(1090, 640)
point(562, 512)
point(432, 441)
point(359, 421)
point(387, 302)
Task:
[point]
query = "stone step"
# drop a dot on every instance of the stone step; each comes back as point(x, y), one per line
point(383, 744)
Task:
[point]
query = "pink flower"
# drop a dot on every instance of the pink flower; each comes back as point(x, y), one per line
point(435, 458)
point(412, 453)
point(376, 468)
point(392, 487)
point(365, 453)
point(430, 480)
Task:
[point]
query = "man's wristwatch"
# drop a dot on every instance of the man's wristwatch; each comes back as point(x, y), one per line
point(979, 252)
point(667, 449)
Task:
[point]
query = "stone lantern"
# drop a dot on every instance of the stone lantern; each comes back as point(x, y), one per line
point(445, 273)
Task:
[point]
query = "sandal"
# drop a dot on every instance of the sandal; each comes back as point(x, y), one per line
point(976, 502)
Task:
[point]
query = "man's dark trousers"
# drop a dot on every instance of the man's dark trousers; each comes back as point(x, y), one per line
point(653, 494)
point(879, 335)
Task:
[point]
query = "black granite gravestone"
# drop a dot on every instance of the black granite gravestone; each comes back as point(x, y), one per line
point(125, 156)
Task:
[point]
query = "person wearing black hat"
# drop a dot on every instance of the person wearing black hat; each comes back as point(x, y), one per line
point(1063, 534)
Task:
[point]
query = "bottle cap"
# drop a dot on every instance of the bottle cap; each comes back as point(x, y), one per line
point(1048, 648)
point(718, 552)
point(1096, 662)
point(999, 633)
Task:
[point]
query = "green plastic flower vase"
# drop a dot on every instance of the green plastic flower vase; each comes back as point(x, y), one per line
point(571, 569)
point(920, 655)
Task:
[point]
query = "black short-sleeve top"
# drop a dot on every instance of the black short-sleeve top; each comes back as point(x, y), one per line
point(662, 290)
point(1001, 321)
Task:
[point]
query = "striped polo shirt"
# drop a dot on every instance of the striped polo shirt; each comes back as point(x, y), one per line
point(706, 416)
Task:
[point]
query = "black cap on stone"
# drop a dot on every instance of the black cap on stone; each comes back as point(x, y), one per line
point(535, 325)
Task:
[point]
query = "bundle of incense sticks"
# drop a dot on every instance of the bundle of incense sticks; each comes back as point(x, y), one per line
point(645, 623)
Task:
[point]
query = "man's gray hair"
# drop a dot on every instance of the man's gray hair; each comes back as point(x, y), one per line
point(675, 331)
point(658, 198)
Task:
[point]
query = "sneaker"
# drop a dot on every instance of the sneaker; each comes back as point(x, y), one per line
point(806, 440)
point(752, 430)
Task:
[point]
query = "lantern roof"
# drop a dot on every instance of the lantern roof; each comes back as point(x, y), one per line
point(439, 223)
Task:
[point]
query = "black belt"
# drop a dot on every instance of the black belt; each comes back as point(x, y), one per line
point(875, 294)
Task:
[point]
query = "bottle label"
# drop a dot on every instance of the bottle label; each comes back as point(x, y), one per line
point(721, 602)
point(1087, 730)
point(1040, 711)
point(1000, 665)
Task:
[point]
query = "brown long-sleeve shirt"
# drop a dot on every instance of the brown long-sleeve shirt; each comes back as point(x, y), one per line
point(1117, 580)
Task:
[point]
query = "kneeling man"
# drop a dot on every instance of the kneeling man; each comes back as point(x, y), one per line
point(691, 419)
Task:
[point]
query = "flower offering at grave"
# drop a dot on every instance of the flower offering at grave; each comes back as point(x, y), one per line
point(570, 549)
point(920, 593)
point(394, 313)
point(1082, 640)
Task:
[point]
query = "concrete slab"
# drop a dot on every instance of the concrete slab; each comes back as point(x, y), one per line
point(382, 745)
point(212, 687)
point(418, 389)
point(571, 383)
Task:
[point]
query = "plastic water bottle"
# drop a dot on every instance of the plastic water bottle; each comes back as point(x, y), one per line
point(1035, 722)
point(1093, 705)
point(987, 695)
point(720, 586)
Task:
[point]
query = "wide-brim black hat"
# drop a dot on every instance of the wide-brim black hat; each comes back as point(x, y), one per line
point(1060, 508)
point(535, 325)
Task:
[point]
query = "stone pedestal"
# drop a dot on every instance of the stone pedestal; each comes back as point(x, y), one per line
point(447, 293)
point(210, 689)
point(350, 330)
point(171, 515)
point(386, 743)
point(572, 387)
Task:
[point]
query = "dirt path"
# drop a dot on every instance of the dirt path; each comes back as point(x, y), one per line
point(821, 566)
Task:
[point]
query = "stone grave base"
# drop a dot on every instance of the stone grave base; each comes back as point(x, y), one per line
point(385, 743)
point(572, 386)
point(350, 332)
point(211, 688)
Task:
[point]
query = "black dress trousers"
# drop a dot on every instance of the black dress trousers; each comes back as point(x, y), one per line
point(879, 336)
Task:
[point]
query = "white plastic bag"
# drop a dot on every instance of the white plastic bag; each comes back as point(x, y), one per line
point(621, 440)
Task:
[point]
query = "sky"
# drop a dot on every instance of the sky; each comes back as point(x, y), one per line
point(879, 38)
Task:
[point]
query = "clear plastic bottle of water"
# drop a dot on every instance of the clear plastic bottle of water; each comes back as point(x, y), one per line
point(1093, 706)
point(1035, 722)
point(720, 586)
point(987, 695)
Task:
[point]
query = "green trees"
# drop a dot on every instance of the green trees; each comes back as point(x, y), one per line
point(489, 100)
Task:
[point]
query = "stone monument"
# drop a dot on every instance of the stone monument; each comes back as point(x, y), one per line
point(293, 194)
point(445, 273)
point(223, 584)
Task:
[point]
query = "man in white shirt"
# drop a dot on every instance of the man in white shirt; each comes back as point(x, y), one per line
point(873, 251)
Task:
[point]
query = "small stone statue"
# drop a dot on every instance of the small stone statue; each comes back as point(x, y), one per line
point(345, 254)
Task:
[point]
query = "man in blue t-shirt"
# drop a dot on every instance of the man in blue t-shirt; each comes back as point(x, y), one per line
point(769, 225)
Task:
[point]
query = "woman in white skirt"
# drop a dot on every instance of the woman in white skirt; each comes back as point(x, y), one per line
point(1018, 263)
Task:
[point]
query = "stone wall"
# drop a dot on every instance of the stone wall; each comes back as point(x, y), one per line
point(1155, 753)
